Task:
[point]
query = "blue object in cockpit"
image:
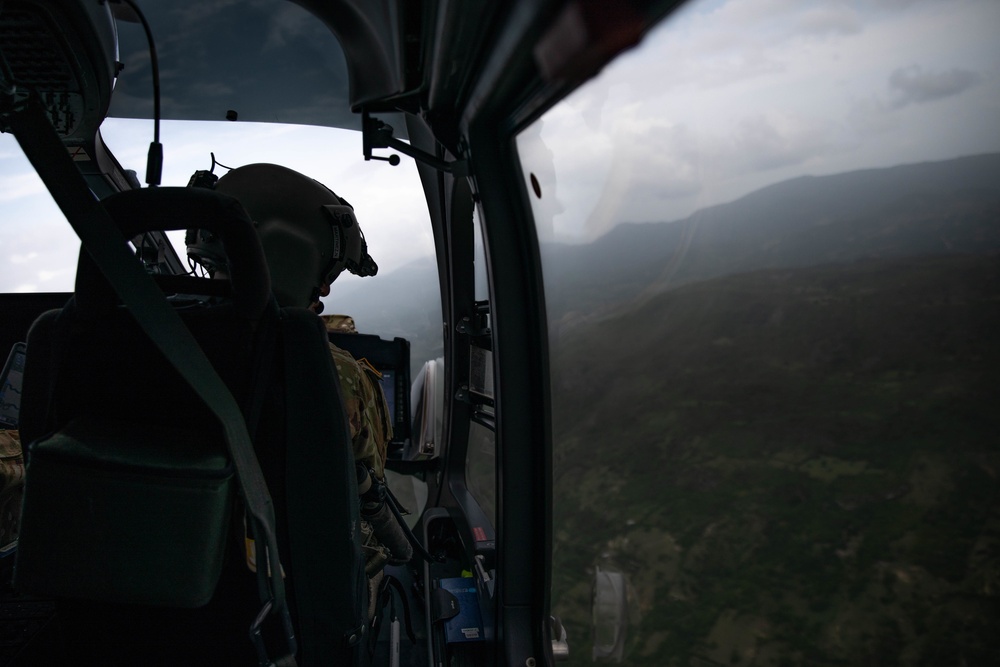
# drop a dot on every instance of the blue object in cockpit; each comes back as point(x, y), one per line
point(466, 625)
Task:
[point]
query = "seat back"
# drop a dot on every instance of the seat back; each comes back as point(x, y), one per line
point(314, 483)
point(91, 358)
point(119, 444)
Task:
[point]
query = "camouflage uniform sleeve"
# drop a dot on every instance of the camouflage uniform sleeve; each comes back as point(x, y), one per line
point(367, 413)
point(11, 485)
point(371, 430)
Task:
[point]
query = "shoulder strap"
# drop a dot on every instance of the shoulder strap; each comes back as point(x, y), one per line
point(102, 239)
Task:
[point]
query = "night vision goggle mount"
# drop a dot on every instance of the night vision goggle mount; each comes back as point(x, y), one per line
point(308, 233)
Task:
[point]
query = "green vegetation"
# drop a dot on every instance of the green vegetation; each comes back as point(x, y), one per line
point(793, 466)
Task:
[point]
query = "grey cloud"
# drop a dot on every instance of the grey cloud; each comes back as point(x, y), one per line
point(290, 24)
point(829, 21)
point(761, 146)
point(659, 171)
point(912, 85)
point(739, 41)
point(198, 14)
point(779, 21)
point(870, 116)
point(897, 5)
point(208, 89)
point(893, 4)
point(653, 165)
point(740, 13)
point(673, 160)
point(659, 160)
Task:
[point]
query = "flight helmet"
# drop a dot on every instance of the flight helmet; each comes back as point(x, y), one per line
point(309, 234)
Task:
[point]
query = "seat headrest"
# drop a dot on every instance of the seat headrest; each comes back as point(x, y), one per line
point(176, 208)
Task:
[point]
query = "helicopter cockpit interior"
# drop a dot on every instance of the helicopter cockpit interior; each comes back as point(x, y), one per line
point(385, 70)
point(684, 313)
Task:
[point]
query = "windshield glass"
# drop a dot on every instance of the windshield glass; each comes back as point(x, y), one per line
point(38, 249)
point(41, 249)
point(769, 239)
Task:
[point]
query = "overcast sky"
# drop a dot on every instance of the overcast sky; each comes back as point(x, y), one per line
point(723, 98)
point(40, 255)
point(728, 96)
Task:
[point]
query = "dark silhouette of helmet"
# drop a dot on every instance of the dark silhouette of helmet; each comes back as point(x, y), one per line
point(308, 233)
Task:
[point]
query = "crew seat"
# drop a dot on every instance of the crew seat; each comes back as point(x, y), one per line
point(113, 418)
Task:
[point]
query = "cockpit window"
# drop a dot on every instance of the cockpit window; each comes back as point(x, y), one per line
point(769, 239)
point(481, 459)
point(38, 248)
point(388, 201)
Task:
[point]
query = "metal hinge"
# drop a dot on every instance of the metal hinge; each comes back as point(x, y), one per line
point(560, 647)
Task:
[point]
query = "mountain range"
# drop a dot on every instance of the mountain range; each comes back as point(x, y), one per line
point(779, 424)
point(928, 208)
point(919, 209)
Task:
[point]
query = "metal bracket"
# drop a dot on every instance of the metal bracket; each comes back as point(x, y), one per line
point(377, 134)
point(478, 325)
point(489, 583)
point(560, 646)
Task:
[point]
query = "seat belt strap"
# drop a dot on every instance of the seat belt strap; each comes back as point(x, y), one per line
point(101, 238)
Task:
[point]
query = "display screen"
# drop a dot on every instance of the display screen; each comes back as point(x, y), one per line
point(389, 388)
point(392, 359)
point(10, 387)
